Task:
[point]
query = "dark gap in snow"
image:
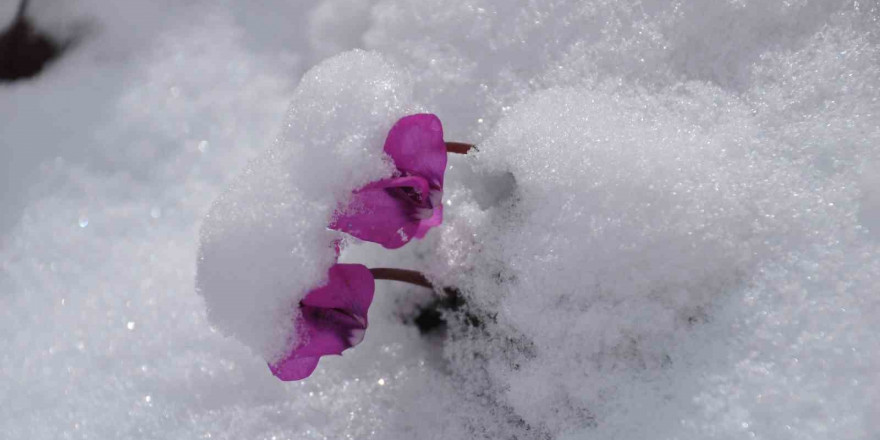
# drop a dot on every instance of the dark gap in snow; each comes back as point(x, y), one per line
point(23, 50)
point(495, 189)
point(431, 318)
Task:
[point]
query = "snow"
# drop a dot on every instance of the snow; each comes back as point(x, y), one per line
point(265, 242)
point(671, 228)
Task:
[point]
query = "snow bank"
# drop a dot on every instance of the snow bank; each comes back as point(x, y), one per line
point(632, 223)
point(671, 228)
point(265, 242)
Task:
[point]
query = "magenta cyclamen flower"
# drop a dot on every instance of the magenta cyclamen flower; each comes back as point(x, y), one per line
point(393, 211)
point(332, 319)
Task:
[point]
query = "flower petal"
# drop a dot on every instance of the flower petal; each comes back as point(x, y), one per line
point(326, 331)
point(333, 318)
point(349, 288)
point(416, 144)
point(378, 212)
point(293, 368)
point(436, 217)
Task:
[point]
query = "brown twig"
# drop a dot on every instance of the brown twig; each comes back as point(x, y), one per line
point(403, 275)
point(459, 147)
point(430, 316)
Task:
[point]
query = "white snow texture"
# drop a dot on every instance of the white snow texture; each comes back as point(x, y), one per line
point(265, 241)
point(671, 229)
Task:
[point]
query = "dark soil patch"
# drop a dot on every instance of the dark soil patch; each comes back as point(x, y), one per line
point(24, 51)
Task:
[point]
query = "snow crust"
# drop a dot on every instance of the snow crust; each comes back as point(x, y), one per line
point(671, 228)
point(634, 227)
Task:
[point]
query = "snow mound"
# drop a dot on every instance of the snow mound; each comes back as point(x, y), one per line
point(265, 242)
point(670, 231)
point(629, 221)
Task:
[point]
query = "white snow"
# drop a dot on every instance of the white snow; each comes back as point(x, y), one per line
point(265, 242)
point(671, 228)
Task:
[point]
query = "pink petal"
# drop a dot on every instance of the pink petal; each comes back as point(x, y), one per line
point(416, 144)
point(323, 332)
point(333, 319)
point(349, 288)
point(379, 214)
point(436, 217)
point(293, 368)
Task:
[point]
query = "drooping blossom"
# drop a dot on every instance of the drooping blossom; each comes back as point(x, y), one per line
point(331, 319)
point(395, 210)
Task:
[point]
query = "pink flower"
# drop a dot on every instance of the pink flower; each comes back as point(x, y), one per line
point(393, 211)
point(332, 319)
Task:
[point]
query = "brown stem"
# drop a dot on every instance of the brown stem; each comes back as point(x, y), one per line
point(413, 277)
point(459, 147)
point(431, 315)
point(406, 276)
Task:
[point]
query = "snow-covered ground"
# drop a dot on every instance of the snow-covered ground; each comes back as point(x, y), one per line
point(671, 228)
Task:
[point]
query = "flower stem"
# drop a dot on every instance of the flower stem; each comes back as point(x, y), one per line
point(459, 147)
point(403, 275)
point(412, 277)
point(430, 316)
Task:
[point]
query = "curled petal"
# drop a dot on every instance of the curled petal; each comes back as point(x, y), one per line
point(294, 368)
point(387, 212)
point(436, 214)
point(393, 211)
point(416, 144)
point(349, 289)
point(332, 319)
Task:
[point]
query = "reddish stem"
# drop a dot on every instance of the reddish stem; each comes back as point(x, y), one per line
point(403, 275)
point(459, 147)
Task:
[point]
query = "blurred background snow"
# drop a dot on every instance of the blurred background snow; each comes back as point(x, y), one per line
point(671, 229)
